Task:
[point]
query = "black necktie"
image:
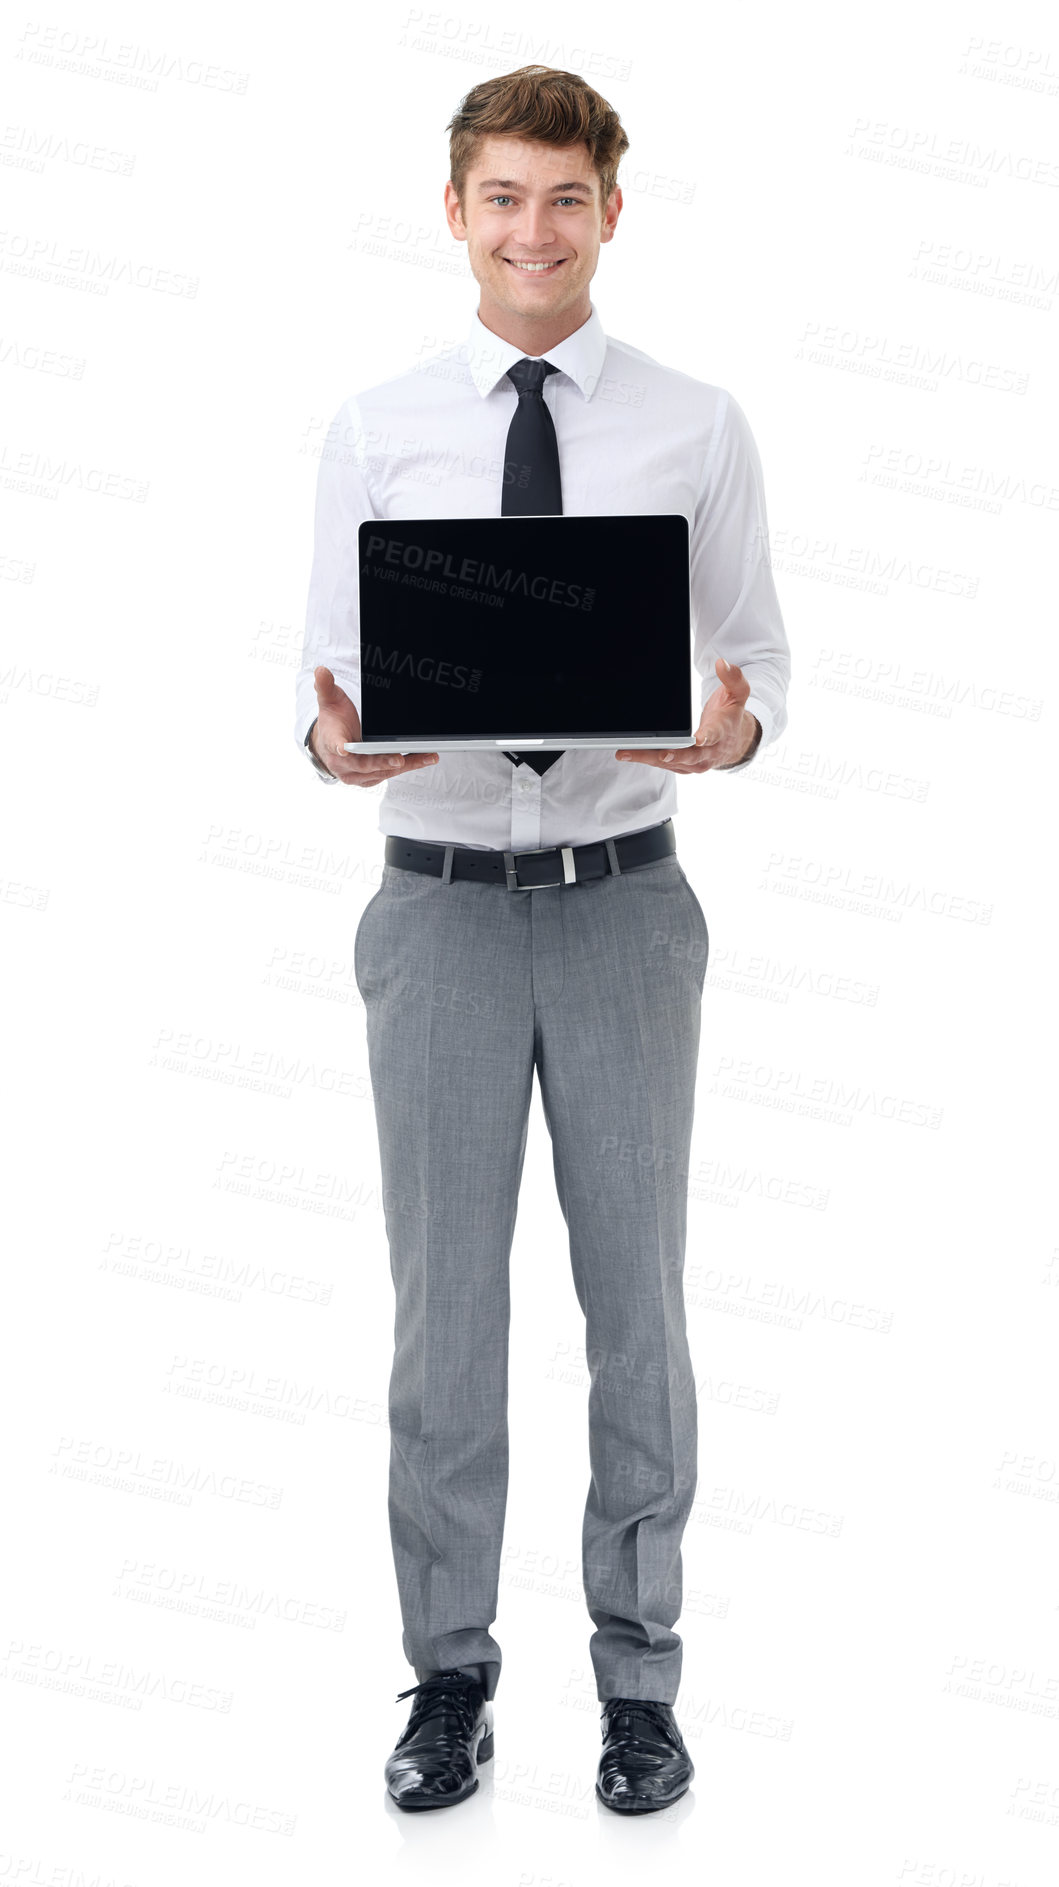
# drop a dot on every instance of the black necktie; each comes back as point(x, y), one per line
point(532, 485)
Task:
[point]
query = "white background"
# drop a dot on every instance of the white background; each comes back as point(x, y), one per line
point(847, 218)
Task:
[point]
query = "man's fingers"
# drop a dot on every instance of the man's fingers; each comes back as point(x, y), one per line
point(658, 754)
point(376, 768)
point(679, 760)
point(380, 762)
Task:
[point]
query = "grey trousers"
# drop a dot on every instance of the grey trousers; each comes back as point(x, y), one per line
point(467, 989)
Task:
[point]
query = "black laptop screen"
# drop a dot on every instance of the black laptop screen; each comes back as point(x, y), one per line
point(484, 628)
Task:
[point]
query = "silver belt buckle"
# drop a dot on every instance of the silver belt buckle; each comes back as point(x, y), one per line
point(569, 876)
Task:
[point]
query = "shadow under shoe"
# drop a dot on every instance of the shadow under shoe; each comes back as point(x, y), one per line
point(434, 1762)
point(644, 1764)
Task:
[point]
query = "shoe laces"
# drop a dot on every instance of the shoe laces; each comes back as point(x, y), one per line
point(446, 1690)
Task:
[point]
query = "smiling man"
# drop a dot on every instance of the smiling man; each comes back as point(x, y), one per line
point(533, 916)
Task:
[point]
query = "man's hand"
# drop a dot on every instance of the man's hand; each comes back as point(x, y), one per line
point(337, 721)
point(725, 733)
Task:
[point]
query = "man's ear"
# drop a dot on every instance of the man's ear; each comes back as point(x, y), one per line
point(611, 212)
point(454, 213)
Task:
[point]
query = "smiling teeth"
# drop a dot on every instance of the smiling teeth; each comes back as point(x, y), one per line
point(534, 268)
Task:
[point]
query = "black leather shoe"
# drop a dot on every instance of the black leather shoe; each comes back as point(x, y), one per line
point(644, 1764)
point(450, 1731)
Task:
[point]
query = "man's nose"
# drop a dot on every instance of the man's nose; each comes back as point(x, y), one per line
point(534, 227)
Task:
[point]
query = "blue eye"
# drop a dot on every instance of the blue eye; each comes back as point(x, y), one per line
point(506, 199)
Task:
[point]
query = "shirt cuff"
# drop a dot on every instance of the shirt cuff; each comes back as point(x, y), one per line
point(318, 766)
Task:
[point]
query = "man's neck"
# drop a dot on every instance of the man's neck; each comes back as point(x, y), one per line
point(534, 336)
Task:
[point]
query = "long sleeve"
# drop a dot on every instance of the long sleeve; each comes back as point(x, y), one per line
point(735, 609)
point(332, 619)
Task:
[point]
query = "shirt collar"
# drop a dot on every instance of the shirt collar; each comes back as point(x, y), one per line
point(580, 356)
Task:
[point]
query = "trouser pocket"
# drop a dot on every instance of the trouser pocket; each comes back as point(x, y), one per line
point(699, 916)
point(361, 929)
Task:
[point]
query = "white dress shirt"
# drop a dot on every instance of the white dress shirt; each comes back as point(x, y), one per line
point(634, 437)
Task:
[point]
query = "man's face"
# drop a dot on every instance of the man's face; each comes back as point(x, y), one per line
point(529, 202)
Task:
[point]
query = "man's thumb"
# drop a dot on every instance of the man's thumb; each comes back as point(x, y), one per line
point(328, 692)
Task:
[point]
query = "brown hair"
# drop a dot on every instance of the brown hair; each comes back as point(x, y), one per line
point(543, 103)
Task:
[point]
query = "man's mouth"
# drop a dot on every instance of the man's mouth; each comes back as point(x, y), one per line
point(535, 268)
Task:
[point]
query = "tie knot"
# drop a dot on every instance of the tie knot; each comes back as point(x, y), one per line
point(528, 376)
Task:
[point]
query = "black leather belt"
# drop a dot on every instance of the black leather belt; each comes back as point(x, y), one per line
point(532, 871)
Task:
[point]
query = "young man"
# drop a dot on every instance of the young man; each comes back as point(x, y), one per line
point(555, 970)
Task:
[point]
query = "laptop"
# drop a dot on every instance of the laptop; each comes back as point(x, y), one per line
point(512, 633)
